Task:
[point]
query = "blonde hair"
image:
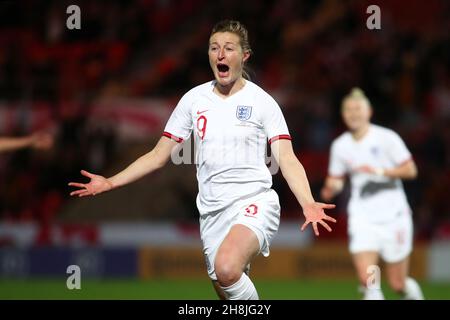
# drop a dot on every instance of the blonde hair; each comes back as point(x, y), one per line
point(357, 94)
point(241, 31)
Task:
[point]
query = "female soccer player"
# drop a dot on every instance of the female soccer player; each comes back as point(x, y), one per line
point(232, 120)
point(379, 223)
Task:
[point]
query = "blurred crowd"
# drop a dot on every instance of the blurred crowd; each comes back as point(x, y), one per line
point(307, 54)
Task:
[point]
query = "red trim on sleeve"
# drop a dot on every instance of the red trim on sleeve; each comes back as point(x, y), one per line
point(171, 136)
point(280, 137)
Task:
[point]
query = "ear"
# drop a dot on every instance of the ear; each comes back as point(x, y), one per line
point(246, 56)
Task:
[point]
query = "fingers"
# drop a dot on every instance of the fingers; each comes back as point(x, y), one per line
point(305, 225)
point(327, 205)
point(87, 174)
point(325, 225)
point(328, 218)
point(85, 189)
point(316, 230)
point(76, 184)
point(84, 193)
point(78, 192)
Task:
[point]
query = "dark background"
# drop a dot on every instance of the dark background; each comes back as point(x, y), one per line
point(307, 54)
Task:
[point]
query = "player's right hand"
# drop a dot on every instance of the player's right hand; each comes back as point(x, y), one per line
point(97, 185)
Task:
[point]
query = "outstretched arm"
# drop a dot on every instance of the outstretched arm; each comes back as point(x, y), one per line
point(144, 165)
point(295, 176)
point(38, 141)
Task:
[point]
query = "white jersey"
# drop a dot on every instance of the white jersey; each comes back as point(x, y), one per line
point(375, 198)
point(230, 136)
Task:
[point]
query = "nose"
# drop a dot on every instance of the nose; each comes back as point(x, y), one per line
point(221, 54)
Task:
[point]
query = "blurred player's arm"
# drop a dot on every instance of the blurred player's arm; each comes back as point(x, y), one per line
point(13, 143)
point(406, 170)
point(36, 141)
point(149, 162)
point(295, 176)
point(332, 187)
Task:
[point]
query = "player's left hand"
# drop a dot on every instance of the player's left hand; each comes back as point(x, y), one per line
point(314, 214)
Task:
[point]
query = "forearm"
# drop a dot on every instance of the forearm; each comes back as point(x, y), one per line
point(400, 173)
point(8, 144)
point(407, 171)
point(144, 165)
point(295, 176)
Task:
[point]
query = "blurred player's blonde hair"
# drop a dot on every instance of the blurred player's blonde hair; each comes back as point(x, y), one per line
point(356, 94)
point(241, 31)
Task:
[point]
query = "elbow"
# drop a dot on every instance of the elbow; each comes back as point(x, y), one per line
point(410, 171)
point(157, 159)
point(287, 163)
point(160, 163)
point(414, 171)
point(412, 174)
point(152, 162)
point(161, 160)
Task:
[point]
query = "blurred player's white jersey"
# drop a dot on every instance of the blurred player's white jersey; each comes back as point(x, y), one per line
point(375, 198)
point(231, 136)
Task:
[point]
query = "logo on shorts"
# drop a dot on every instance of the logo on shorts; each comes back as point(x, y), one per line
point(251, 210)
point(243, 113)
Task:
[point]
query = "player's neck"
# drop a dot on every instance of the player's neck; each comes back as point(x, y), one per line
point(230, 89)
point(360, 133)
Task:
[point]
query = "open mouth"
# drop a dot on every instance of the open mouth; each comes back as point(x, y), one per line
point(223, 69)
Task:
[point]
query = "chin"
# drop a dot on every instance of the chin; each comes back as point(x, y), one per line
point(223, 82)
point(355, 128)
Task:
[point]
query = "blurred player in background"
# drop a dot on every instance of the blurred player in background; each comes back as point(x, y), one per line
point(232, 120)
point(380, 222)
point(36, 141)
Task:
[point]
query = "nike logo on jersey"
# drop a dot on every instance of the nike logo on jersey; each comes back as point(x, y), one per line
point(200, 112)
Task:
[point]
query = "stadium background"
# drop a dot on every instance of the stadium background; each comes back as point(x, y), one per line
point(105, 92)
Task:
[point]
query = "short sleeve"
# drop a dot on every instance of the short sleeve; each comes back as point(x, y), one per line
point(273, 121)
point(179, 126)
point(336, 166)
point(397, 149)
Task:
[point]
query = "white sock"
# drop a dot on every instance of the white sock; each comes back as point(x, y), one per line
point(243, 289)
point(412, 290)
point(373, 294)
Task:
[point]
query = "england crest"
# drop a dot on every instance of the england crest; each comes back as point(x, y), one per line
point(243, 113)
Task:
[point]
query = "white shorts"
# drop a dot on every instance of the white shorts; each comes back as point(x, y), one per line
point(393, 240)
point(260, 213)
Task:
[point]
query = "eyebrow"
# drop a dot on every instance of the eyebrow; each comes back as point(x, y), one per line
point(228, 42)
